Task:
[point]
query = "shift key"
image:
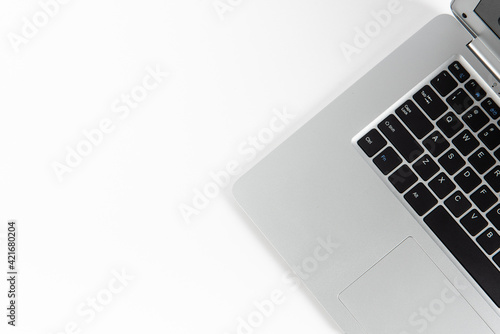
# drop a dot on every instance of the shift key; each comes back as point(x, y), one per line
point(402, 140)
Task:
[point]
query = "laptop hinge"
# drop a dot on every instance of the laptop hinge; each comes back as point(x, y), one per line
point(484, 54)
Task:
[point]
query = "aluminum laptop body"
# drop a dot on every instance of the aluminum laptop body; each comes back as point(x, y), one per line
point(377, 254)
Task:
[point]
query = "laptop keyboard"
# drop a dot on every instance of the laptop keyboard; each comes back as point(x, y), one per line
point(439, 152)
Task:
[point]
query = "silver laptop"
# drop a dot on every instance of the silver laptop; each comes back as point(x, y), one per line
point(386, 203)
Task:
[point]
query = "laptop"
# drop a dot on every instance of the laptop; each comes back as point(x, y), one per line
point(386, 203)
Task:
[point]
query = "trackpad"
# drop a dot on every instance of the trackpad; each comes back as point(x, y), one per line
point(406, 293)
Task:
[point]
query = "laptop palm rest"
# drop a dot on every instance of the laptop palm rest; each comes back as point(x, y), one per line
point(406, 293)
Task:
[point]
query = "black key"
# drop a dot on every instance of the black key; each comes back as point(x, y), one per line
point(428, 100)
point(372, 142)
point(490, 136)
point(436, 143)
point(420, 199)
point(460, 101)
point(475, 90)
point(474, 222)
point(465, 250)
point(484, 198)
point(493, 178)
point(494, 216)
point(481, 160)
point(414, 119)
point(458, 204)
point(465, 142)
point(497, 154)
point(475, 119)
point(467, 180)
point(491, 108)
point(426, 167)
point(387, 160)
point(490, 241)
point(403, 178)
point(496, 258)
point(450, 124)
point(442, 185)
point(402, 140)
point(451, 161)
point(444, 83)
point(459, 71)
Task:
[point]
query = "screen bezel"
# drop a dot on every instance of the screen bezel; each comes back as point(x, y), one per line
point(464, 12)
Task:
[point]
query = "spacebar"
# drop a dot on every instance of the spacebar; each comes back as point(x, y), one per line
point(466, 251)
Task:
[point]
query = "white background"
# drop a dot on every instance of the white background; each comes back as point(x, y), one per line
point(119, 208)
